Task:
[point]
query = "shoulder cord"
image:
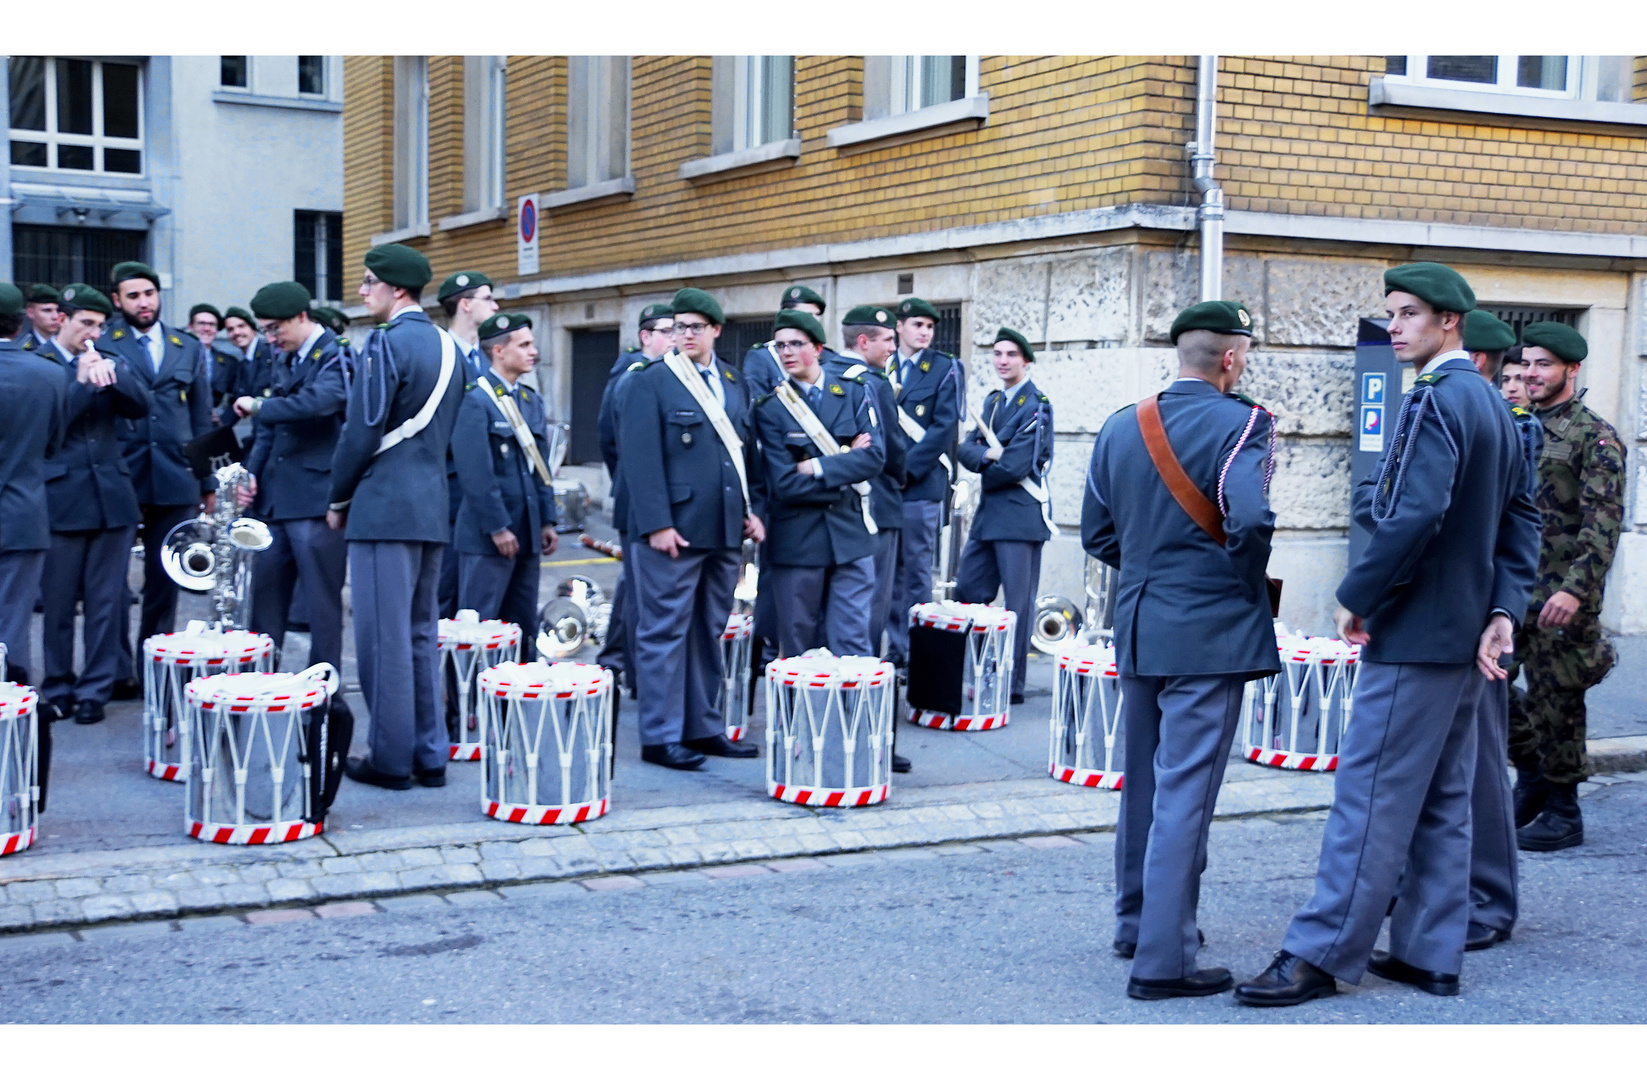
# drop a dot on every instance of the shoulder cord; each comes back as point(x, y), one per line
point(1392, 477)
point(377, 343)
point(1269, 458)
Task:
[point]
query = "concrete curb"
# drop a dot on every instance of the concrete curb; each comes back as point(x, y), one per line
point(1619, 755)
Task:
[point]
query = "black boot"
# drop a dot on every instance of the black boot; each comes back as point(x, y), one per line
point(1560, 825)
point(1531, 790)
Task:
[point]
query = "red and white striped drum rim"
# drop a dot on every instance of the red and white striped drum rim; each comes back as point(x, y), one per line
point(1089, 660)
point(1320, 650)
point(208, 647)
point(521, 814)
point(163, 770)
point(12, 843)
point(1292, 759)
point(738, 625)
point(946, 722)
point(978, 618)
point(537, 680)
point(245, 691)
point(283, 833)
point(464, 752)
point(813, 796)
point(17, 700)
point(824, 672)
point(1109, 780)
point(485, 634)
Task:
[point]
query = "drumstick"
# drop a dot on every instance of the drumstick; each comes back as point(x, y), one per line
point(605, 547)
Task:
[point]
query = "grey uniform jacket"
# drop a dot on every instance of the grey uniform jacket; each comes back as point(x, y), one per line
point(180, 409)
point(297, 427)
point(401, 494)
point(1455, 535)
point(934, 396)
point(1023, 423)
point(88, 480)
point(886, 488)
point(611, 400)
point(1185, 605)
point(501, 490)
point(818, 520)
point(32, 425)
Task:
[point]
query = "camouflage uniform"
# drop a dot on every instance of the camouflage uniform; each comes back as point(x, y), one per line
point(1581, 497)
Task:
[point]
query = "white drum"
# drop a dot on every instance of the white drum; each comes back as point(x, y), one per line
point(547, 734)
point(1087, 737)
point(250, 776)
point(468, 646)
point(170, 662)
point(1297, 719)
point(960, 665)
point(19, 766)
point(829, 729)
point(735, 660)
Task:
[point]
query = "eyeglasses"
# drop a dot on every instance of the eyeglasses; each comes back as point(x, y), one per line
point(267, 329)
point(790, 346)
point(689, 328)
point(369, 280)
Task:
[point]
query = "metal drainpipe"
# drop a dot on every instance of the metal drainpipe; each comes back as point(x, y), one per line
point(1202, 154)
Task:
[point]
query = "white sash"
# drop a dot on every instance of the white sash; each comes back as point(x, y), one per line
point(823, 440)
point(912, 430)
point(506, 407)
point(1037, 491)
point(448, 361)
point(687, 372)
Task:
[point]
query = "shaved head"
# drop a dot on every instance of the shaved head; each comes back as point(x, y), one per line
point(1201, 352)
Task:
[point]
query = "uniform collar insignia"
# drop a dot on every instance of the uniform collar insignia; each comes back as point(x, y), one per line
point(835, 388)
point(926, 365)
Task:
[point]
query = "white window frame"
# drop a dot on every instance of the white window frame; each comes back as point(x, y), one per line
point(1585, 100)
point(588, 120)
point(899, 96)
point(411, 147)
point(325, 80)
point(97, 140)
point(887, 89)
point(749, 101)
point(484, 128)
point(1506, 81)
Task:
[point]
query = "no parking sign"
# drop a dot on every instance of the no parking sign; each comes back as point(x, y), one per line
point(526, 235)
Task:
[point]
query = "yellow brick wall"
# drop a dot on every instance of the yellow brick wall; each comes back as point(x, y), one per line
point(1641, 78)
point(368, 154)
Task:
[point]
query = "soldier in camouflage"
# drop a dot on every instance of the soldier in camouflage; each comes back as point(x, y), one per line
point(1562, 647)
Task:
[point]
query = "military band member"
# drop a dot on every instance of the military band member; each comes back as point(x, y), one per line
point(931, 392)
point(389, 496)
point(1003, 546)
point(291, 463)
point(94, 513)
point(820, 548)
point(1561, 644)
point(1181, 583)
point(656, 335)
point(501, 446)
point(41, 315)
point(177, 374)
point(205, 326)
point(466, 298)
point(684, 427)
point(1432, 602)
point(762, 367)
point(333, 320)
point(257, 359)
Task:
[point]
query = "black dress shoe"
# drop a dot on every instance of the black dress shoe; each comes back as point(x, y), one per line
point(1017, 699)
point(52, 711)
point(1483, 937)
point(1203, 983)
point(126, 690)
point(1289, 980)
point(1126, 950)
point(88, 712)
point(672, 755)
point(721, 746)
point(900, 763)
point(431, 778)
point(360, 770)
point(1388, 967)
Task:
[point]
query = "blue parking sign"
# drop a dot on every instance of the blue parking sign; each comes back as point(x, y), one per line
point(1372, 388)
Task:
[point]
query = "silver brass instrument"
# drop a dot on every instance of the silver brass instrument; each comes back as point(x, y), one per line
point(578, 613)
point(952, 537)
point(213, 552)
point(1058, 624)
point(1098, 582)
point(749, 576)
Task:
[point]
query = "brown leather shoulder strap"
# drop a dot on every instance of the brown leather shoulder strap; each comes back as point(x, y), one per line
point(1194, 502)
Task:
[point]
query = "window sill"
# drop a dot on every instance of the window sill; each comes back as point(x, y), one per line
point(395, 236)
point(1387, 92)
point(621, 188)
point(473, 217)
point(773, 155)
point(962, 114)
point(303, 104)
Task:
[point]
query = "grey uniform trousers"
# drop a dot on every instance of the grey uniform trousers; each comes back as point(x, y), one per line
point(1178, 734)
point(683, 604)
point(824, 605)
point(922, 521)
point(1014, 567)
point(886, 580)
point(307, 560)
point(394, 586)
point(501, 588)
point(1401, 798)
point(1494, 881)
point(19, 585)
point(92, 566)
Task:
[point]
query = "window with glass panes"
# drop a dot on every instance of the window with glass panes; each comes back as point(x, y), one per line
point(234, 71)
point(79, 115)
point(317, 252)
point(311, 75)
point(894, 85)
point(1516, 74)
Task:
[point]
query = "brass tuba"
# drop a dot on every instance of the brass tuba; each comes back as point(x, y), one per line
point(213, 552)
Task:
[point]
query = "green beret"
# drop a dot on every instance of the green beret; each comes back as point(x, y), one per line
point(82, 297)
point(916, 307)
point(281, 300)
point(804, 321)
point(127, 270)
point(656, 311)
point(458, 282)
point(11, 299)
point(208, 309)
point(43, 294)
point(800, 294)
point(1441, 287)
point(240, 313)
point(699, 302)
point(331, 318)
point(1006, 333)
point(399, 266)
point(869, 315)
point(503, 324)
point(1219, 316)
point(1562, 340)
point(1485, 332)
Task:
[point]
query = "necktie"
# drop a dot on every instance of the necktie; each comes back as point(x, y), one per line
point(155, 355)
point(475, 370)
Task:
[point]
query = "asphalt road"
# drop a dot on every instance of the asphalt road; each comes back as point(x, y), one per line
point(1007, 932)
